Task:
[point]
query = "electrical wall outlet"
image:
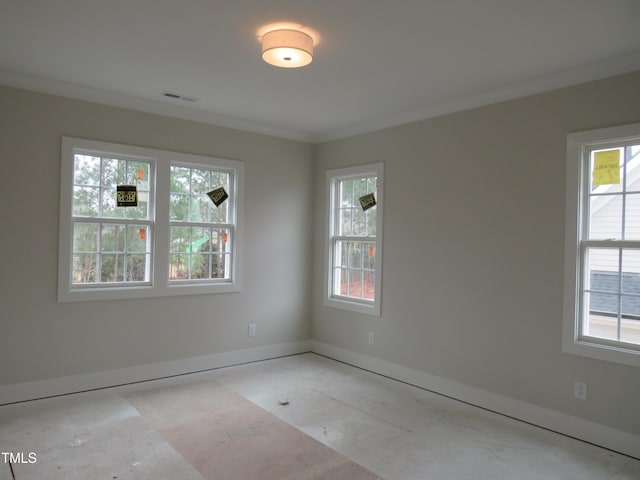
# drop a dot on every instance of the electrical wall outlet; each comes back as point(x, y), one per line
point(580, 390)
point(372, 338)
point(252, 330)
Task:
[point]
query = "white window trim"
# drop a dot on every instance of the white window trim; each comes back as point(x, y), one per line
point(365, 307)
point(160, 284)
point(571, 343)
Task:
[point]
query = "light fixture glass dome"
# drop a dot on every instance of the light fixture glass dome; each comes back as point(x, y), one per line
point(287, 48)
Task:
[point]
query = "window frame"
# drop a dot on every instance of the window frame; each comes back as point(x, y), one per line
point(159, 284)
point(579, 146)
point(363, 306)
point(230, 225)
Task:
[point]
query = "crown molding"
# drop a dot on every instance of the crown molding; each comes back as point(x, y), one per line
point(560, 79)
point(166, 108)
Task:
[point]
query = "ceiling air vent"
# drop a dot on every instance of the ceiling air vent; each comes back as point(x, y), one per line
point(177, 96)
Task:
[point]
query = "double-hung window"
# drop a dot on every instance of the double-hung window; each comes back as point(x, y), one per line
point(602, 262)
point(139, 222)
point(354, 250)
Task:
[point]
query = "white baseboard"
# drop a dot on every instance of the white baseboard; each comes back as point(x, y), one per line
point(21, 392)
point(607, 437)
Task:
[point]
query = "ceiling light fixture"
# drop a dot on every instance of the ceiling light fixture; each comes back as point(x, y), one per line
point(287, 48)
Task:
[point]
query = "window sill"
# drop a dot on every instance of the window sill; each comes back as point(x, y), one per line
point(121, 293)
point(597, 351)
point(343, 303)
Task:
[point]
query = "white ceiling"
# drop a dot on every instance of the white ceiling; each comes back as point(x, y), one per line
point(377, 63)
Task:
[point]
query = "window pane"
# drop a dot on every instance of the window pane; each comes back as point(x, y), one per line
point(137, 267)
point(359, 189)
point(369, 286)
point(112, 238)
point(220, 179)
point(632, 217)
point(200, 208)
point(179, 207)
point(602, 326)
point(369, 256)
point(85, 237)
point(180, 179)
point(346, 193)
point(199, 240)
point(601, 315)
point(200, 181)
point(339, 281)
point(108, 202)
point(355, 283)
point(200, 264)
point(178, 269)
point(630, 306)
point(86, 201)
point(220, 266)
point(216, 243)
point(138, 238)
point(138, 174)
point(139, 212)
point(85, 268)
point(180, 239)
point(86, 170)
point(218, 214)
point(630, 330)
point(345, 222)
point(602, 303)
point(341, 254)
point(85, 248)
point(355, 255)
point(631, 271)
point(112, 267)
point(602, 269)
point(605, 217)
point(221, 240)
point(372, 184)
point(371, 221)
point(114, 172)
point(359, 222)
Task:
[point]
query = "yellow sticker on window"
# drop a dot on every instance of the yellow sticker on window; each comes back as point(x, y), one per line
point(143, 234)
point(606, 167)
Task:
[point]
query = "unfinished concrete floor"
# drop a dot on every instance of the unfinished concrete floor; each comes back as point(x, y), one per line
point(393, 430)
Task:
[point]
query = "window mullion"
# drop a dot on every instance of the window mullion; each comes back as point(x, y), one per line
point(362, 270)
point(160, 256)
point(355, 238)
point(629, 244)
point(619, 316)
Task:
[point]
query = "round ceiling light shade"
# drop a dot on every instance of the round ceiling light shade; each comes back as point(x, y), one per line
point(287, 48)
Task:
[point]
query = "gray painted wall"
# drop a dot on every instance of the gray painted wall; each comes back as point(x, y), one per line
point(473, 250)
point(42, 339)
